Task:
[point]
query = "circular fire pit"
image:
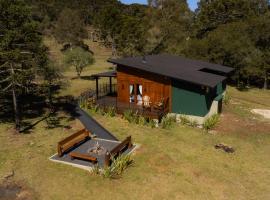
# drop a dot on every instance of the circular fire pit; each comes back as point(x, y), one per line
point(97, 149)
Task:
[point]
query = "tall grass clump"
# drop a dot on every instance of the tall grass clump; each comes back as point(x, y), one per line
point(110, 111)
point(226, 98)
point(184, 120)
point(118, 166)
point(151, 123)
point(168, 121)
point(128, 115)
point(141, 121)
point(211, 122)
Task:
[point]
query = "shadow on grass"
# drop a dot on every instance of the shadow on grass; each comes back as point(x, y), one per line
point(32, 107)
point(90, 78)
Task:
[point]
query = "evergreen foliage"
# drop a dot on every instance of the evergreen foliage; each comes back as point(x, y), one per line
point(22, 55)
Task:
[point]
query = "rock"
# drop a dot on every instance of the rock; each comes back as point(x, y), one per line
point(225, 148)
point(200, 126)
point(156, 122)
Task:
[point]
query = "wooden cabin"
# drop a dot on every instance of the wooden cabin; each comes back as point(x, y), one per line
point(176, 84)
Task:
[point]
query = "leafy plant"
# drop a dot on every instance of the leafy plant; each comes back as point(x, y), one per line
point(118, 166)
point(211, 122)
point(121, 163)
point(226, 98)
point(151, 123)
point(184, 120)
point(110, 111)
point(128, 115)
point(167, 121)
point(96, 170)
point(141, 121)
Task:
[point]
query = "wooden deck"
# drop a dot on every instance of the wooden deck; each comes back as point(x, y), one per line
point(111, 101)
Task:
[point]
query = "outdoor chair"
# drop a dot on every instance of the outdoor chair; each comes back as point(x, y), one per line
point(162, 104)
point(146, 102)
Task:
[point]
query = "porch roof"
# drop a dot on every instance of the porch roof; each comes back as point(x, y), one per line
point(197, 72)
point(105, 74)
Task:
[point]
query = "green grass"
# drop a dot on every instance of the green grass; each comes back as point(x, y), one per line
point(170, 164)
point(176, 163)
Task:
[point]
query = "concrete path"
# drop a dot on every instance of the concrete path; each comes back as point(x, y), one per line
point(91, 124)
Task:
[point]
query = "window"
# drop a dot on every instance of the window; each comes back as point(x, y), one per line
point(131, 94)
point(139, 89)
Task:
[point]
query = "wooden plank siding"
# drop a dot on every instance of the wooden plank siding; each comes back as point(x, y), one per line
point(155, 86)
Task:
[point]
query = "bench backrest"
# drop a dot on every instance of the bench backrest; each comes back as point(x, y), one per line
point(72, 140)
point(125, 144)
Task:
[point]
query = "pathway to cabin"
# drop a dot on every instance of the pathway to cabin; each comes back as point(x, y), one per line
point(91, 124)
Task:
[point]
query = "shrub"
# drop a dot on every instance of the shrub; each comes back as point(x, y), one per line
point(151, 123)
point(226, 98)
point(96, 170)
point(128, 115)
point(118, 166)
point(141, 121)
point(110, 111)
point(167, 121)
point(121, 163)
point(211, 122)
point(94, 109)
point(184, 120)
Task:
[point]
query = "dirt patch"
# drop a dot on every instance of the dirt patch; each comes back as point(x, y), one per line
point(231, 123)
point(13, 191)
point(263, 112)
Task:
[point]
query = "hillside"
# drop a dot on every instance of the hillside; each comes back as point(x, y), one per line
point(178, 163)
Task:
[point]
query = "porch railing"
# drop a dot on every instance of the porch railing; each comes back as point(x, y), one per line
point(105, 89)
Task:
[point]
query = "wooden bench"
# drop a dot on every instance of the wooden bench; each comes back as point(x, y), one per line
point(72, 140)
point(82, 156)
point(120, 148)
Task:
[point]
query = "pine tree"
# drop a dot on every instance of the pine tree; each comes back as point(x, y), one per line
point(20, 51)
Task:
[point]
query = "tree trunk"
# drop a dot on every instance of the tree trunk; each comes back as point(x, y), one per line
point(265, 85)
point(15, 104)
point(16, 112)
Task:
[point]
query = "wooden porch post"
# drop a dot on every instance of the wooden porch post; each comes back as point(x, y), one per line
point(110, 85)
point(97, 87)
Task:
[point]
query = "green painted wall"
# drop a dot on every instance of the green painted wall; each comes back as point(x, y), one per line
point(192, 99)
point(221, 87)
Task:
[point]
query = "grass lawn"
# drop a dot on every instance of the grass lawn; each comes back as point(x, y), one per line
point(178, 163)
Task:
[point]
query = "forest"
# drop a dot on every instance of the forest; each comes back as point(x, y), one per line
point(234, 33)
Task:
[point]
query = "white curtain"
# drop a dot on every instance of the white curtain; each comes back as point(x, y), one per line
point(131, 95)
point(131, 89)
point(140, 89)
point(139, 96)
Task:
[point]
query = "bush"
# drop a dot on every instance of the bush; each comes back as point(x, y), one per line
point(184, 120)
point(118, 166)
point(110, 111)
point(128, 115)
point(94, 109)
point(226, 98)
point(167, 121)
point(211, 122)
point(151, 123)
point(141, 121)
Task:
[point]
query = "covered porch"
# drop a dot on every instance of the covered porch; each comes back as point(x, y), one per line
point(121, 107)
point(105, 88)
point(106, 95)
